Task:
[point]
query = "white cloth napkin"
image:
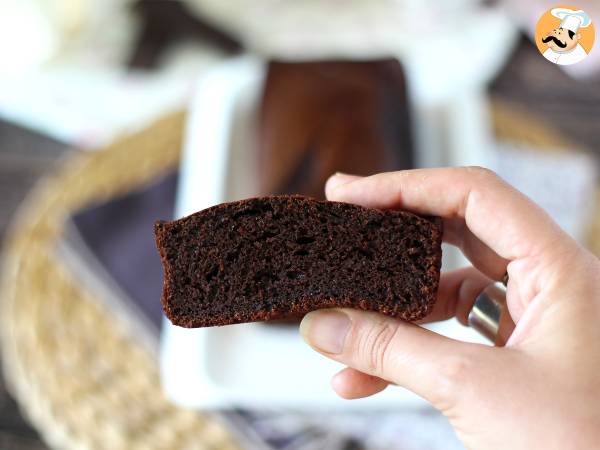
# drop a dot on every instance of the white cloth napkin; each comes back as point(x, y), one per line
point(314, 29)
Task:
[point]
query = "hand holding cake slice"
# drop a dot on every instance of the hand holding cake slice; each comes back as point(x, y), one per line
point(280, 257)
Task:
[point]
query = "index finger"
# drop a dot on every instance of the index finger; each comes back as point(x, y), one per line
point(503, 218)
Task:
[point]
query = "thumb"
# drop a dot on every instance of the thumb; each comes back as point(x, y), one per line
point(433, 366)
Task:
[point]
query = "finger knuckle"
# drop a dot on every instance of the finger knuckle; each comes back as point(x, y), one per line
point(375, 345)
point(481, 172)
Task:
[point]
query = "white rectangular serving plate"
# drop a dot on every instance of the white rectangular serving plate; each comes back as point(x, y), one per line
point(251, 365)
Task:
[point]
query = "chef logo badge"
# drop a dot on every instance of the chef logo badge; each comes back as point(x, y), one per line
point(565, 35)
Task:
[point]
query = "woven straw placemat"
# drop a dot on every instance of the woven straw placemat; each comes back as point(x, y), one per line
point(516, 125)
point(77, 375)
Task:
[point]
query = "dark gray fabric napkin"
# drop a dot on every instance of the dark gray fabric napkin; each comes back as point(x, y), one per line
point(110, 246)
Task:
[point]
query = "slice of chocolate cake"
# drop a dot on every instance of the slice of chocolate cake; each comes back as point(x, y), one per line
point(281, 257)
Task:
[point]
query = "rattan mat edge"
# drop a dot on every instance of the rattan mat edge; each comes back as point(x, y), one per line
point(77, 375)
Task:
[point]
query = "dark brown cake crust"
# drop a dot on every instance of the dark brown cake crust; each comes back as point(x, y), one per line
point(283, 256)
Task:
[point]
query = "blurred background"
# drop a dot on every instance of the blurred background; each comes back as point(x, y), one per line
point(116, 113)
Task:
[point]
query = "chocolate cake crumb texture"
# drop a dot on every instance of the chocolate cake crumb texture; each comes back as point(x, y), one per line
point(283, 256)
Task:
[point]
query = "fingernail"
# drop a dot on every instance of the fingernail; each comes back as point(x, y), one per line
point(325, 330)
point(339, 178)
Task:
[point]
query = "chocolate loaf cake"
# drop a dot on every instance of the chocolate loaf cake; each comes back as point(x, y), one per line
point(283, 256)
point(318, 117)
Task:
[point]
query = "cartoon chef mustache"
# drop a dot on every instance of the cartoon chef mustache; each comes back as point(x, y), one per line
point(556, 41)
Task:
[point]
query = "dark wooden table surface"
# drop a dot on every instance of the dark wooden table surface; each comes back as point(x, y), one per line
point(529, 81)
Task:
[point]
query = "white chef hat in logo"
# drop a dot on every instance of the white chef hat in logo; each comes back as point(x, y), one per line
point(572, 20)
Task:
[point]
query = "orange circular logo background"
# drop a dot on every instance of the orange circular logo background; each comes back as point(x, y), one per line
point(548, 22)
